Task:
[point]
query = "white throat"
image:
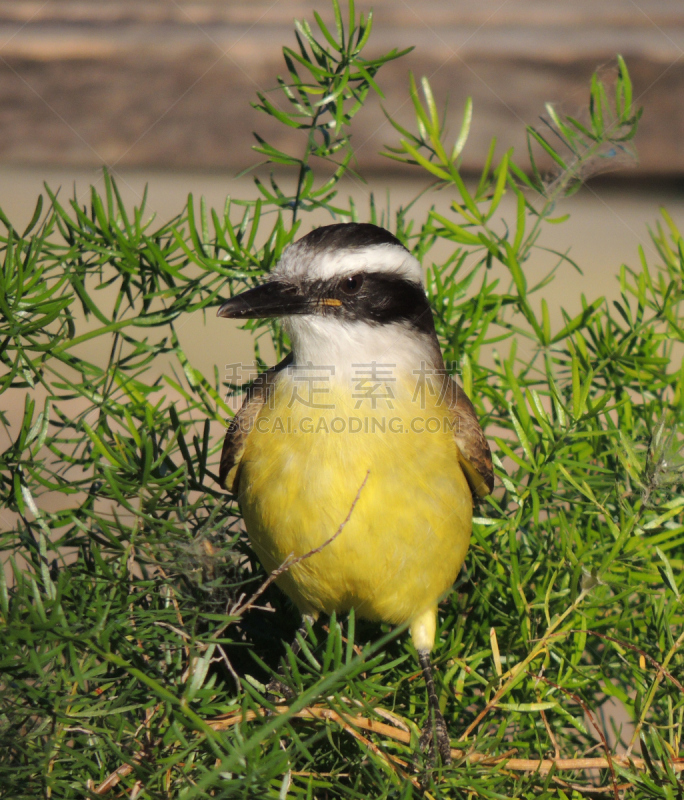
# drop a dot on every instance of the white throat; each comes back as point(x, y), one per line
point(344, 345)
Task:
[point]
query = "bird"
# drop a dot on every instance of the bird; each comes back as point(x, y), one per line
point(358, 458)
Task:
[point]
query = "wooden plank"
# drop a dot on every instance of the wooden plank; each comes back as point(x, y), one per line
point(153, 83)
point(441, 12)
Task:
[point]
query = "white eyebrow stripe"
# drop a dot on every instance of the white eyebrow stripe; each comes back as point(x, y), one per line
point(302, 262)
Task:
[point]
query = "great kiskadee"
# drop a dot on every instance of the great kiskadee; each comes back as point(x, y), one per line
point(364, 395)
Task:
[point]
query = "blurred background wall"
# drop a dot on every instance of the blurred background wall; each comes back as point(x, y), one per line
point(167, 83)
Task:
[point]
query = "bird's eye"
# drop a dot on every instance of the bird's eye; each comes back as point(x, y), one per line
point(352, 285)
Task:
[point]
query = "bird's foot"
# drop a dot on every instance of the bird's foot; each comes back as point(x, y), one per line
point(435, 739)
point(435, 736)
point(278, 692)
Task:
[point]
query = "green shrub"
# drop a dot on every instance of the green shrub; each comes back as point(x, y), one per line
point(133, 652)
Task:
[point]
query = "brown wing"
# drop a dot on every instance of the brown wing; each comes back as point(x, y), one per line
point(474, 453)
point(243, 422)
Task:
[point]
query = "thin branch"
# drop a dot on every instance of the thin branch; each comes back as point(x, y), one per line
point(229, 667)
point(592, 718)
point(397, 734)
point(125, 769)
point(662, 672)
point(629, 646)
point(114, 778)
point(290, 561)
point(515, 671)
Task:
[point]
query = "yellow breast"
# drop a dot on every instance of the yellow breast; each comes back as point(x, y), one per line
point(408, 535)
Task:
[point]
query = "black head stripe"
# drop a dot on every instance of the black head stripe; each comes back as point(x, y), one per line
point(348, 235)
point(383, 298)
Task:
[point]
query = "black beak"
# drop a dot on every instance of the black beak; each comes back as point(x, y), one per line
point(271, 299)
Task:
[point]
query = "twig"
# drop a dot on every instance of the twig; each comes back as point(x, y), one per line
point(352, 722)
point(290, 561)
point(517, 764)
point(115, 777)
point(549, 733)
point(633, 647)
point(242, 606)
point(577, 787)
point(125, 769)
point(397, 764)
point(513, 673)
point(662, 672)
point(229, 667)
point(592, 718)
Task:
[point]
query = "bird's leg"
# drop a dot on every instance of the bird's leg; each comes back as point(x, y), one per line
point(435, 734)
point(278, 691)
